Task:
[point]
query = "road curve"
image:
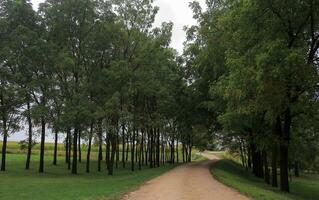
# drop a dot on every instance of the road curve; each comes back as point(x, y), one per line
point(187, 182)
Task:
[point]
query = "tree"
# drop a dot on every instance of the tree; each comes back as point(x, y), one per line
point(264, 69)
point(17, 43)
point(95, 70)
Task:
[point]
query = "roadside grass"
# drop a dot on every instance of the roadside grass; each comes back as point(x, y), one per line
point(58, 184)
point(234, 175)
point(197, 157)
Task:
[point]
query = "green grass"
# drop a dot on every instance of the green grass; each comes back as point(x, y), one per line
point(197, 157)
point(57, 182)
point(232, 174)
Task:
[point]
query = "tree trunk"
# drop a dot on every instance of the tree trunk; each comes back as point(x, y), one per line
point(117, 144)
point(136, 147)
point(284, 161)
point(107, 150)
point(133, 149)
point(173, 151)
point(70, 148)
point(249, 156)
point(177, 156)
point(140, 160)
point(75, 151)
point(147, 146)
point(55, 148)
point(123, 146)
point(158, 148)
point(274, 181)
point(41, 167)
point(67, 146)
point(142, 147)
point(260, 169)
point(113, 149)
point(190, 153)
point(186, 153)
point(4, 142)
point(183, 152)
point(99, 160)
point(257, 161)
point(267, 176)
point(163, 150)
point(27, 164)
point(79, 146)
point(245, 154)
point(284, 176)
point(296, 166)
point(128, 145)
point(242, 153)
point(151, 148)
point(88, 155)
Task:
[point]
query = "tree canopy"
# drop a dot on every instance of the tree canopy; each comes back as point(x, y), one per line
point(98, 73)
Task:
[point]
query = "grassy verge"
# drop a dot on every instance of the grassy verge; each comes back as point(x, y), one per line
point(197, 157)
point(57, 183)
point(232, 174)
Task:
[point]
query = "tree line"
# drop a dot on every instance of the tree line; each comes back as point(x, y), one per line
point(97, 72)
point(94, 72)
point(254, 67)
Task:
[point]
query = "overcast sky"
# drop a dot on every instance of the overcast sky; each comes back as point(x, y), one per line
point(176, 11)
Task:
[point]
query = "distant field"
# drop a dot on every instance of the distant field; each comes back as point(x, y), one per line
point(232, 174)
point(14, 148)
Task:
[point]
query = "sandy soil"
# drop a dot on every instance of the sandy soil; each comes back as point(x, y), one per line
point(187, 182)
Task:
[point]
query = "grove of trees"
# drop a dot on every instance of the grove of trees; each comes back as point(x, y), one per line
point(93, 72)
point(98, 72)
point(254, 66)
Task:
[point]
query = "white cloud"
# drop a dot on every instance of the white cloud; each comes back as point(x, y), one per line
point(36, 3)
point(178, 12)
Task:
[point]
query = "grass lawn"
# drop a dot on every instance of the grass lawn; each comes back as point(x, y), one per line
point(232, 174)
point(57, 182)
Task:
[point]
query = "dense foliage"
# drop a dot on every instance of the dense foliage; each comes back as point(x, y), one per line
point(255, 66)
point(95, 72)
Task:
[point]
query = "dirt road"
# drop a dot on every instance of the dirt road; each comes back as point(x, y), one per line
point(187, 182)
